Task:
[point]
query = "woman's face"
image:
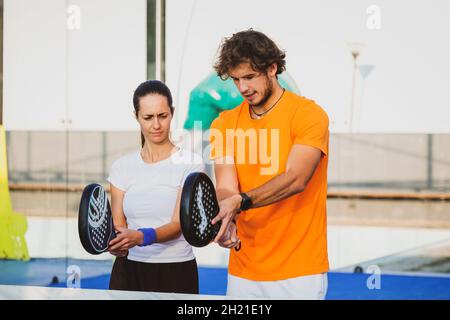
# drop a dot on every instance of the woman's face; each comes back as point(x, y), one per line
point(154, 118)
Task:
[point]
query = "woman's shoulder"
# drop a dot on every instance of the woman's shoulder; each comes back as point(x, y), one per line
point(189, 157)
point(125, 159)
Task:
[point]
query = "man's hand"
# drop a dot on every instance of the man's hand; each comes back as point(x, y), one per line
point(228, 209)
point(125, 239)
point(230, 239)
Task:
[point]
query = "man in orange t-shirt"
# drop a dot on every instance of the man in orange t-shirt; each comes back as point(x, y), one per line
point(270, 160)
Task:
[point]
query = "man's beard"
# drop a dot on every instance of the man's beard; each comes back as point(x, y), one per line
point(266, 94)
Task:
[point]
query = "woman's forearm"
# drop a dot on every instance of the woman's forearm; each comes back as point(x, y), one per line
point(169, 231)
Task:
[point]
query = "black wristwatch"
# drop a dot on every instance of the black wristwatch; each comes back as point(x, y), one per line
point(246, 202)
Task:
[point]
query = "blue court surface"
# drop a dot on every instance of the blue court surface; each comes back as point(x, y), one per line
point(213, 281)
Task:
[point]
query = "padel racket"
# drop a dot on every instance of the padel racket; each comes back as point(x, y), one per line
point(95, 223)
point(197, 208)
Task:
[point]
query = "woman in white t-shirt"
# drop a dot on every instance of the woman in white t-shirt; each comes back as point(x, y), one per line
point(152, 254)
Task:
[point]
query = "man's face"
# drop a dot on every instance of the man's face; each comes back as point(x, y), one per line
point(256, 87)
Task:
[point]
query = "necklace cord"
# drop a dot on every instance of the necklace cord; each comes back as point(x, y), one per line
point(261, 114)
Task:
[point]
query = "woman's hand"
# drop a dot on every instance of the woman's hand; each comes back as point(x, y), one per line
point(119, 253)
point(125, 239)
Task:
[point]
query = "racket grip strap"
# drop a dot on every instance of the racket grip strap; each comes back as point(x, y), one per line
point(149, 236)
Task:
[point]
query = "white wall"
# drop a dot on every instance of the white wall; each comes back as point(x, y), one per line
point(34, 65)
point(85, 73)
point(88, 74)
point(407, 90)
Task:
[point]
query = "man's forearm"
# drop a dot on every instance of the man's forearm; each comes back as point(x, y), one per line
point(223, 193)
point(278, 188)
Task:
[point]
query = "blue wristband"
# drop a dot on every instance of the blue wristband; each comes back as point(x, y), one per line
point(149, 236)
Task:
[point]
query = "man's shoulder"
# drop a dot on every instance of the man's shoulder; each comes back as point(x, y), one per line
point(228, 117)
point(304, 105)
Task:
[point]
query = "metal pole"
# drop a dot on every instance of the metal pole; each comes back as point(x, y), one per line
point(28, 172)
point(104, 152)
point(158, 41)
point(352, 105)
point(430, 161)
point(355, 50)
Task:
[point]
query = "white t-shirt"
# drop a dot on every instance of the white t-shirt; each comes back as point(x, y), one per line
point(151, 192)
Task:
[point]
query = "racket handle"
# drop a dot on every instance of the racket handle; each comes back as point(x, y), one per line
point(113, 235)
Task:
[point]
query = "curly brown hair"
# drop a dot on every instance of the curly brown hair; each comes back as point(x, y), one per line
point(249, 46)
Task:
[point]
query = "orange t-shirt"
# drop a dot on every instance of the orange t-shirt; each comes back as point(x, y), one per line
point(288, 238)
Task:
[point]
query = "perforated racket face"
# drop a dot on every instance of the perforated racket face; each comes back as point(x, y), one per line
point(95, 223)
point(198, 207)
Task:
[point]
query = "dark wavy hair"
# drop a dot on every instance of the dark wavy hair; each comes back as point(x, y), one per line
point(249, 46)
point(151, 87)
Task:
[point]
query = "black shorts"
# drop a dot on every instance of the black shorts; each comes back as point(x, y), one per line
point(177, 277)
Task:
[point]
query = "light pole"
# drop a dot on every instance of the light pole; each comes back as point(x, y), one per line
point(364, 70)
point(355, 50)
